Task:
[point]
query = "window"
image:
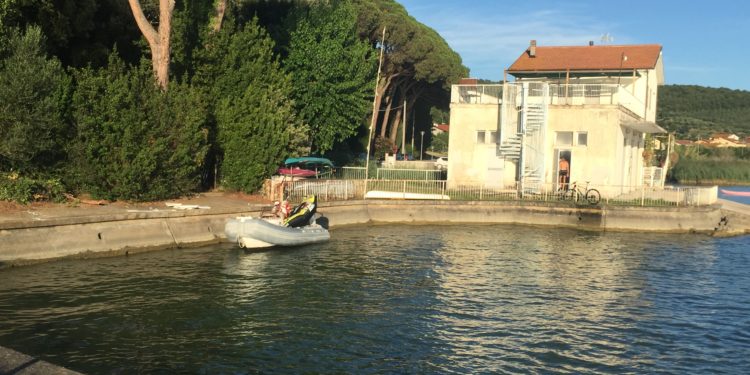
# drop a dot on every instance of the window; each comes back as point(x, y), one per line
point(480, 136)
point(564, 139)
point(583, 139)
point(493, 137)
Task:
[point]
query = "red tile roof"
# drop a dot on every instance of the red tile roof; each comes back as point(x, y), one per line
point(443, 127)
point(642, 56)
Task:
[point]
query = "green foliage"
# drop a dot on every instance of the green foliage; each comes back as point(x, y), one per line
point(439, 143)
point(256, 123)
point(79, 32)
point(697, 164)
point(695, 112)
point(710, 170)
point(34, 99)
point(134, 141)
point(439, 115)
point(332, 73)
point(22, 189)
point(383, 146)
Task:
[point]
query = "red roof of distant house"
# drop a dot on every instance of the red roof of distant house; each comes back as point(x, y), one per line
point(468, 81)
point(643, 56)
point(684, 142)
point(443, 127)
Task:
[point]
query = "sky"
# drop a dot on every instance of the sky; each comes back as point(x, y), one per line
point(704, 43)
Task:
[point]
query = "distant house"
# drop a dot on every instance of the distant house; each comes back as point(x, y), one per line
point(725, 140)
point(592, 105)
point(440, 128)
point(684, 142)
point(728, 136)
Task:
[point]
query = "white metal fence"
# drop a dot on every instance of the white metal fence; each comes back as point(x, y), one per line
point(477, 94)
point(341, 190)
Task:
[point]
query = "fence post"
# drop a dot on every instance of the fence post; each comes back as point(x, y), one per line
point(404, 191)
point(643, 195)
point(445, 187)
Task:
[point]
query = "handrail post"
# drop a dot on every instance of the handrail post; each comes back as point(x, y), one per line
point(643, 195)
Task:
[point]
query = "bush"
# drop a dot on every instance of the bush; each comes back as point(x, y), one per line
point(134, 141)
point(34, 98)
point(256, 125)
point(21, 189)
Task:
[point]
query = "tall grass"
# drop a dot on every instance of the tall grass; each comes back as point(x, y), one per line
point(707, 170)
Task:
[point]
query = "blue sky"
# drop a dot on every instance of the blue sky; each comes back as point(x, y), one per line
point(704, 43)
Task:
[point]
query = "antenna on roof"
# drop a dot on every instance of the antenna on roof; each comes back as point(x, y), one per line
point(606, 38)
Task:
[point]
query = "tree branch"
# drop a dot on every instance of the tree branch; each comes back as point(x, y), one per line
point(146, 28)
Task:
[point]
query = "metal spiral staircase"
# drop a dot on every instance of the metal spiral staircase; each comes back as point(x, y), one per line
point(526, 145)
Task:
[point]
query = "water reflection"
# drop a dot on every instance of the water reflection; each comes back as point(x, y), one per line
point(397, 298)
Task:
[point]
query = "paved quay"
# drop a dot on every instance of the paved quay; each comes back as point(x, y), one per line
point(43, 232)
point(36, 215)
point(15, 363)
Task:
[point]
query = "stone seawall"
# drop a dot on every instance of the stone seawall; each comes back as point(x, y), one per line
point(118, 234)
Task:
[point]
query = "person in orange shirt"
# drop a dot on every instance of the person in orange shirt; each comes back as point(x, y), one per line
point(564, 170)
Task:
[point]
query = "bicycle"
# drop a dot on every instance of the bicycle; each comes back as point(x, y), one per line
point(577, 193)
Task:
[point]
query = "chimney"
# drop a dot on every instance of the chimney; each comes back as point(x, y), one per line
point(532, 48)
point(591, 43)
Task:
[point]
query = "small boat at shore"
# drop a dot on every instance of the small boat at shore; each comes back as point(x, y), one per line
point(734, 193)
point(306, 167)
point(300, 228)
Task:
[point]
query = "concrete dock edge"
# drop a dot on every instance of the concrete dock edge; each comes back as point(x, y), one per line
point(119, 234)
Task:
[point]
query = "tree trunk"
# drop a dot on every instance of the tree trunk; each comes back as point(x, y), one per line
point(221, 8)
point(158, 41)
point(379, 101)
point(393, 133)
point(386, 114)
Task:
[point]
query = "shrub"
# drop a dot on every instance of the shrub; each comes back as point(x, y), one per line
point(34, 97)
point(134, 141)
point(22, 189)
point(256, 125)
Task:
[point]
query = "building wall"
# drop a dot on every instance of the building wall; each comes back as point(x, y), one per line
point(597, 161)
point(470, 162)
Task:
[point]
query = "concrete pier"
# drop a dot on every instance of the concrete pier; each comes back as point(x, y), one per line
point(15, 363)
point(45, 234)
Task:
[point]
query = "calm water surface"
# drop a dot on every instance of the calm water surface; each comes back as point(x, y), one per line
point(743, 200)
point(396, 299)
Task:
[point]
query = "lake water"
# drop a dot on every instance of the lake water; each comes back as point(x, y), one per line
point(396, 299)
point(744, 200)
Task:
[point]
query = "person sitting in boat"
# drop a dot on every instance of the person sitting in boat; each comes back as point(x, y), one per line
point(301, 215)
point(281, 209)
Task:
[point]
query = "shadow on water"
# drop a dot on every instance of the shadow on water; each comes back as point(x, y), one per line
point(395, 298)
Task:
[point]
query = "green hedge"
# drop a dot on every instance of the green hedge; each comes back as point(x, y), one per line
point(134, 141)
point(22, 189)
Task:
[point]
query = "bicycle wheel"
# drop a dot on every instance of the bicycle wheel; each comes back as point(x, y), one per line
point(570, 195)
point(593, 196)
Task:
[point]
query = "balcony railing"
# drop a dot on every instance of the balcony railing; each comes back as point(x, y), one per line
point(477, 94)
point(558, 94)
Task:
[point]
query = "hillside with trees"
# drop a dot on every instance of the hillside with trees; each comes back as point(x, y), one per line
point(696, 112)
point(153, 99)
